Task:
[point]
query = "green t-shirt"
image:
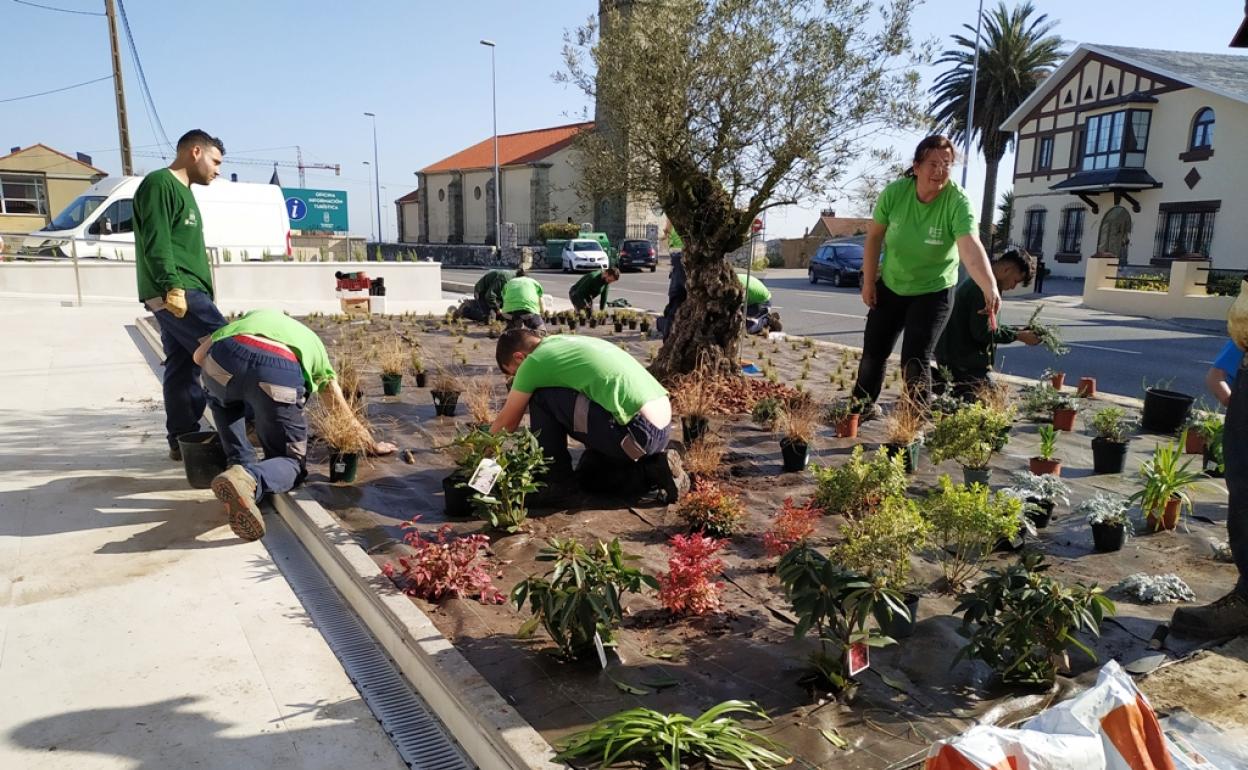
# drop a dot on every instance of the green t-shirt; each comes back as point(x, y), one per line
point(276, 325)
point(522, 294)
point(168, 238)
point(590, 286)
point(756, 293)
point(607, 375)
point(489, 289)
point(920, 244)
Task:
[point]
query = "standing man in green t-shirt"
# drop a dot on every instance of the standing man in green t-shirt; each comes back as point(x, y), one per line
point(593, 286)
point(268, 363)
point(589, 389)
point(522, 302)
point(175, 280)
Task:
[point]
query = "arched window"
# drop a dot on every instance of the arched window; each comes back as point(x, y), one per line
point(1202, 130)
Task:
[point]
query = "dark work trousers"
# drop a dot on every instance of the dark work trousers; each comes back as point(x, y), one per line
point(521, 319)
point(581, 304)
point(556, 413)
point(475, 310)
point(1235, 452)
point(922, 318)
point(184, 398)
point(238, 376)
point(756, 317)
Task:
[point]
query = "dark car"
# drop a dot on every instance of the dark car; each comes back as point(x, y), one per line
point(638, 254)
point(839, 263)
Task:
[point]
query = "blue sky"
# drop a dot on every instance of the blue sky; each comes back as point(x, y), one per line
point(266, 75)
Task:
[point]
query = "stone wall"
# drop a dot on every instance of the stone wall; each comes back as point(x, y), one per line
point(457, 255)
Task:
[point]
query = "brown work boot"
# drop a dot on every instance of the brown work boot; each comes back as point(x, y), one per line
point(237, 489)
point(1227, 616)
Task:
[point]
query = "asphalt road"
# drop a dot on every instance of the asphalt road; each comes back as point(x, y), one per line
point(1120, 351)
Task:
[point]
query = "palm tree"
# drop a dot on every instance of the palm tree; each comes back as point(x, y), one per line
point(1016, 53)
point(1001, 234)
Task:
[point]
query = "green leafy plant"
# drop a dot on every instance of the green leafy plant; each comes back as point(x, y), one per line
point(1212, 431)
point(840, 410)
point(580, 596)
point(1111, 424)
point(1048, 441)
point(710, 510)
point(879, 545)
point(520, 458)
point(966, 523)
point(1038, 401)
point(766, 411)
point(1105, 508)
point(1020, 621)
point(1163, 477)
point(674, 741)
point(858, 486)
point(970, 436)
point(1050, 489)
point(1049, 336)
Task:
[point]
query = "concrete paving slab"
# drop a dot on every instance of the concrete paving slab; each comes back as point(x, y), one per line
point(135, 630)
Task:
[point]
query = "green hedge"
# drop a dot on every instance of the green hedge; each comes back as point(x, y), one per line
point(558, 230)
point(1223, 283)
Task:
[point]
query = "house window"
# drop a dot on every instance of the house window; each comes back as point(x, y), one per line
point(442, 195)
point(1115, 139)
point(1033, 230)
point(1044, 155)
point(23, 194)
point(476, 192)
point(1071, 236)
point(1202, 130)
point(1185, 228)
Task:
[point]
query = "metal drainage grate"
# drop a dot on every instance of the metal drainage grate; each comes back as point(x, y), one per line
point(422, 741)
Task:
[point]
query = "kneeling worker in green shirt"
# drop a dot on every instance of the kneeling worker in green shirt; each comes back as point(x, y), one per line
point(593, 286)
point(600, 395)
point(271, 363)
point(487, 296)
point(758, 313)
point(522, 302)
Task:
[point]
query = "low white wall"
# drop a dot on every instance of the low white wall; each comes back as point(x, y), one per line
point(298, 287)
point(1184, 299)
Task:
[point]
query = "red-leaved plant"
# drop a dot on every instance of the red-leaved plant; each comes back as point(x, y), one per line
point(443, 564)
point(793, 524)
point(686, 589)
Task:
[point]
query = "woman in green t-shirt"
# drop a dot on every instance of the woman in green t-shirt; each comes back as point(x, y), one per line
point(927, 224)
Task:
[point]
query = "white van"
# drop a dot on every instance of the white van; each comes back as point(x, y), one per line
point(243, 221)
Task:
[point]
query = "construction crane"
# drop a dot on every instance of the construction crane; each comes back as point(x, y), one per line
point(239, 161)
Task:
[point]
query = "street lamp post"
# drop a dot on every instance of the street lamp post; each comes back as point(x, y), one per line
point(498, 211)
point(970, 107)
point(376, 177)
point(370, 193)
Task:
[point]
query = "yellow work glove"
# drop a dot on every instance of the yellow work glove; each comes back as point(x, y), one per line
point(175, 302)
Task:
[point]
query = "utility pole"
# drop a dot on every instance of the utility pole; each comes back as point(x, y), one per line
point(123, 124)
point(299, 159)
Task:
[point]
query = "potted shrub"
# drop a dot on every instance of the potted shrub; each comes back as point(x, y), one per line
point(1055, 377)
point(844, 417)
point(858, 486)
point(796, 424)
point(1165, 410)
point(1020, 621)
point(693, 398)
point(479, 400)
point(1109, 445)
point(1213, 459)
point(710, 510)
point(970, 436)
point(765, 412)
point(617, 322)
point(1046, 463)
point(1065, 410)
point(1107, 515)
point(644, 324)
point(631, 319)
point(1163, 486)
point(392, 359)
point(1040, 495)
point(418, 366)
point(1087, 387)
point(903, 432)
point(1201, 425)
point(879, 546)
point(347, 433)
point(579, 598)
point(445, 392)
point(1037, 402)
point(966, 522)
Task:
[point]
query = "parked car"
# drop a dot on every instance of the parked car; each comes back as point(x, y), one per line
point(584, 254)
point(837, 262)
point(638, 254)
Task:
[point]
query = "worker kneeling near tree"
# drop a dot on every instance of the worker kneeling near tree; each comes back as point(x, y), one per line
point(759, 317)
point(600, 395)
point(593, 286)
point(522, 303)
point(270, 363)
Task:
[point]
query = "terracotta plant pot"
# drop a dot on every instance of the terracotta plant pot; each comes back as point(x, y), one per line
point(1043, 467)
point(1064, 419)
point(1169, 518)
point(1058, 380)
point(848, 427)
point(1087, 387)
point(1195, 444)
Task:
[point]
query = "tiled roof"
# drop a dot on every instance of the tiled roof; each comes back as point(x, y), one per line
point(513, 149)
point(837, 227)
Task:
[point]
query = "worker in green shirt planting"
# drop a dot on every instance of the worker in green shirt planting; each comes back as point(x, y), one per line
point(593, 286)
point(968, 347)
point(927, 224)
point(595, 392)
point(759, 317)
point(174, 278)
point(268, 363)
point(522, 302)
point(487, 296)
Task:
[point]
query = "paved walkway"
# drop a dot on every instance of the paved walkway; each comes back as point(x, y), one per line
point(135, 630)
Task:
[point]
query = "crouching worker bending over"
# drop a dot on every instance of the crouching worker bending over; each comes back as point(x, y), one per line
point(600, 395)
point(271, 363)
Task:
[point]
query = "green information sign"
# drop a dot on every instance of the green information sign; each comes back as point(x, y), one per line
point(316, 210)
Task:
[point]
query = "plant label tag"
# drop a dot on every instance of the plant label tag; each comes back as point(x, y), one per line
point(857, 658)
point(602, 651)
point(484, 477)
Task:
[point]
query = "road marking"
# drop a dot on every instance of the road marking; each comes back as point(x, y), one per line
point(828, 312)
point(1102, 347)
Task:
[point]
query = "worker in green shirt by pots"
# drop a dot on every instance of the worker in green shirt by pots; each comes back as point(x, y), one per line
point(174, 278)
point(967, 347)
point(595, 392)
point(593, 286)
point(759, 317)
point(268, 363)
point(522, 302)
point(927, 224)
point(487, 296)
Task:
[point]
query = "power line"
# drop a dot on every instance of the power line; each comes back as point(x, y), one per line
point(62, 10)
point(56, 90)
point(138, 65)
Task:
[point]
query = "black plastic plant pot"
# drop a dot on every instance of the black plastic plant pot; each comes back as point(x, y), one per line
point(619, 327)
point(343, 467)
point(1108, 456)
point(893, 624)
point(203, 457)
point(1108, 537)
point(458, 499)
point(444, 402)
point(391, 384)
point(1165, 411)
point(1209, 464)
point(645, 327)
point(632, 325)
point(1040, 512)
point(976, 476)
point(909, 452)
point(422, 379)
point(796, 455)
point(1011, 545)
point(693, 428)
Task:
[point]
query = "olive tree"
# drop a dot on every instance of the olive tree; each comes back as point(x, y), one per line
point(717, 110)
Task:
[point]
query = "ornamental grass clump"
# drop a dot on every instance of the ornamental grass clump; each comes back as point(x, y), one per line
point(687, 588)
point(478, 398)
point(442, 565)
point(966, 522)
point(347, 372)
point(710, 510)
point(798, 420)
point(703, 457)
point(793, 525)
point(392, 357)
point(346, 431)
point(858, 486)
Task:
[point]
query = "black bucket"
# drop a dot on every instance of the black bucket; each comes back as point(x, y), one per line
point(1165, 411)
point(1108, 456)
point(203, 457)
